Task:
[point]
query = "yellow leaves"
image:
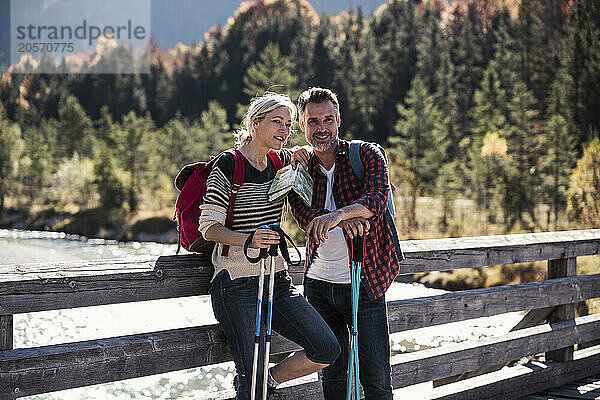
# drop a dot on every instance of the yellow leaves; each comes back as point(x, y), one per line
point(494, 144)
point(584, 192)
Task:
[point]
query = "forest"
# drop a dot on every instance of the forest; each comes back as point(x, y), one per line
point(488, 110)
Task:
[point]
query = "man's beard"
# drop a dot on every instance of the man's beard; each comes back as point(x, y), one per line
point(324, 146)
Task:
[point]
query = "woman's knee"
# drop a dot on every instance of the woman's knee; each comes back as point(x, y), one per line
point(328, 351)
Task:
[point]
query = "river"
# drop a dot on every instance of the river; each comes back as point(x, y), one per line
point(63, 326)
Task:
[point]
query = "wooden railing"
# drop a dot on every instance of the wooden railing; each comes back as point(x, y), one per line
point(38, 287)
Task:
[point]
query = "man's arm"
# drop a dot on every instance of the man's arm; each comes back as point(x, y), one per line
point(372, 203)
point(302, 213)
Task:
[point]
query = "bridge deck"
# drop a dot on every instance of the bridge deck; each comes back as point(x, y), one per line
point(588, 388)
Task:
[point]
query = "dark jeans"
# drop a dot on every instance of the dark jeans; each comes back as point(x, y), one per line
point(234, 305)
point(333, 302)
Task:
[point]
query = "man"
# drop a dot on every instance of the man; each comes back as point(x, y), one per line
point(343, 206)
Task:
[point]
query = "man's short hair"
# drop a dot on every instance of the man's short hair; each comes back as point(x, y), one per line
point(316, 95)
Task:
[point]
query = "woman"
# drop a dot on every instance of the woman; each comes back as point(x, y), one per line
point(234, 288)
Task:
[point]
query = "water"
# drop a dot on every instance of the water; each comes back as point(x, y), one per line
point(63, 326)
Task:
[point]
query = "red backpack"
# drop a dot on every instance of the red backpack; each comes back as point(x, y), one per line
point(191, 182)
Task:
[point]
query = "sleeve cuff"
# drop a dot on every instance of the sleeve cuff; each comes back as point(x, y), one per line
point(211, 214)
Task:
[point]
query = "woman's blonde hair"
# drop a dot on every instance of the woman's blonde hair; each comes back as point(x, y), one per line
point(259, 107)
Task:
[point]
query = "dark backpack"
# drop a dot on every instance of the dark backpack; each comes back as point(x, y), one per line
point(359, 170)
point(191, 182)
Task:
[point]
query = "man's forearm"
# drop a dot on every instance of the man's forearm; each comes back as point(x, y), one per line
point(353, 211)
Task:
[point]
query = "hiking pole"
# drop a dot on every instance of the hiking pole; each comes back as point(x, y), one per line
point(273, 254)
point(261, 279)
point(264, 253)
point(357, 250)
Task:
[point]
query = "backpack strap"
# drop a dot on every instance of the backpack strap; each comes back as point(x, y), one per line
point(355, 161)
point(275, 159)
point(359, 171)
point(238, 180)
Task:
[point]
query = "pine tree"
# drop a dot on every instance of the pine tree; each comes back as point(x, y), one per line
point(272, 72)
point(580, 70)
point(395, 28)
point(533, 63)
point(448, 186)
point(557, 164)
point(419, 146)
point(109, 186)
point(468, 58)
point(136, 146)
point(11, 147)
point(76, 129)
point(215, 133)
point(489, 121)
point(34, 166)
point(431, 47)
point(524, 149)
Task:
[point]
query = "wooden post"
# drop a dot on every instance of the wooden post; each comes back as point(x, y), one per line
point(6, 332)
point(558, 269)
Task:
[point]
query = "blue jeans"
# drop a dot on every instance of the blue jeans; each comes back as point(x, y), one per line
point(333, 302)
point(234, 304)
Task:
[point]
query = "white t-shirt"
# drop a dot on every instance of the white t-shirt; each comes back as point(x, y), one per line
point(331, 261)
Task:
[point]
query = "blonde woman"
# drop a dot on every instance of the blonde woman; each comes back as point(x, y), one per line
point(234, 287)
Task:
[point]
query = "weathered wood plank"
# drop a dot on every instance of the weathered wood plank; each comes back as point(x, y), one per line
point(422, 255)
point(443, 254)
point(184, 278)
point(441, 362)
point(58, 367)
point(467, 304)
point(524, 380)
point(6, 332)
point(572, 392)
point(532, 318)
point(82, 291)
point(558, 269)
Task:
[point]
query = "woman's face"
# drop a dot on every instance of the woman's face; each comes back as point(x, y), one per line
point(274, 129)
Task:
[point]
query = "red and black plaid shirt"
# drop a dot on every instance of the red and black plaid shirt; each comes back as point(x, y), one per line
point(380, 264)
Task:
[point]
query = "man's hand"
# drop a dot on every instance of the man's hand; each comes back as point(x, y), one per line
point(300, 155)
point(318, 227)
point(355, 227)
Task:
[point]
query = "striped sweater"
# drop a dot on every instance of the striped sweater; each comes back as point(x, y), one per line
point(251, 210)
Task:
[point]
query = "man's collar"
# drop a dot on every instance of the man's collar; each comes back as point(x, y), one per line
point(341, 148)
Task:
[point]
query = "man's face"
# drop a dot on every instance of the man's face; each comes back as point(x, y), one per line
point(320, 124)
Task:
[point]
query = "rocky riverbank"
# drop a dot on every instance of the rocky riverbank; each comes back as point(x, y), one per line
point(95, 223)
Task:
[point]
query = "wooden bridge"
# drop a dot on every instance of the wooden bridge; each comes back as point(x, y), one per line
point(468, 370)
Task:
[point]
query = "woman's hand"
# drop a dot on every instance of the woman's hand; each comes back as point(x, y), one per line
point(300, 155)
point(264, 238)
point(355, 227)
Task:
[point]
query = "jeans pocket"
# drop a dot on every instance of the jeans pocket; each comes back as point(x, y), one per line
point(238, 284)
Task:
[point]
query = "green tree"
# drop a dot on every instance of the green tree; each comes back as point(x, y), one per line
point(35, 168)
point(488, 118)
point(136, 147)
point(580, 68)
point(11, 147)
point(532, 56)
point(419, 146)
point(557, 163)
point(448, 185)
point(272, 72)
point(109, 186)
point(524, 150)
point(584, 191)
point(212, 132)
point(76, 129)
